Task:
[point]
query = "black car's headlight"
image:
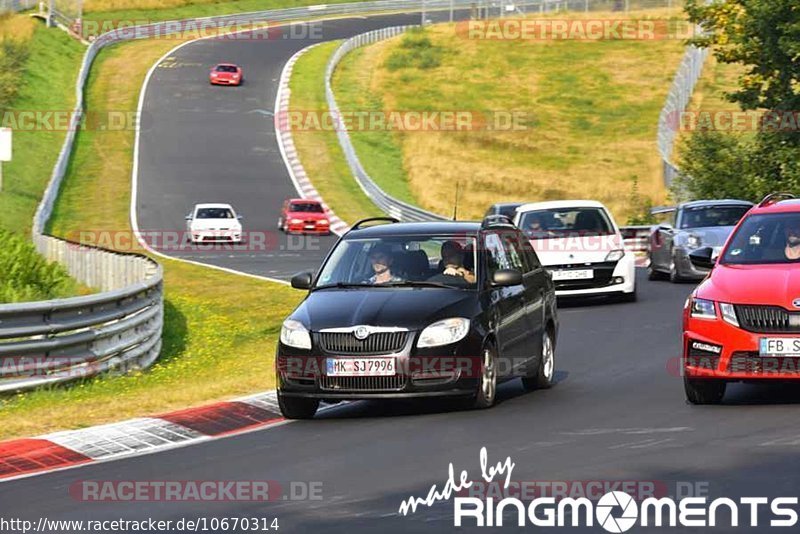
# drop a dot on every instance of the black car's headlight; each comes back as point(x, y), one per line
point(294, 334)
point(444, 332)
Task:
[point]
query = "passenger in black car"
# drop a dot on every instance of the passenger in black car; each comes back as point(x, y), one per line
point(381, 259)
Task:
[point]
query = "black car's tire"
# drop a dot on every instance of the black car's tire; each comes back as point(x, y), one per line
point(704, 391)
point(545, 374)
point(297, 407)
point(487, 383)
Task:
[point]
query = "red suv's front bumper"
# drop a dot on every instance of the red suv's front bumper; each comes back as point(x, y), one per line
point(738, 355)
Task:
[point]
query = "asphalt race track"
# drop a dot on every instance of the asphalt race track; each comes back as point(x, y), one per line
point(203, 143)
point(617, 413)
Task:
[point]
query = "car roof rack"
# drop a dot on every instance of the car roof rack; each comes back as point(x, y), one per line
point(362, 222)
point(773, 198)
point(496, 220)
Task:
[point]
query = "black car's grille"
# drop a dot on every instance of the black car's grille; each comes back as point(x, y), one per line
point(767, 319)
point(375, 343)
point(603, 273)
point(362, 383)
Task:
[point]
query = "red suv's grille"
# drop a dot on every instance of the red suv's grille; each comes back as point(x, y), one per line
point(767, 319)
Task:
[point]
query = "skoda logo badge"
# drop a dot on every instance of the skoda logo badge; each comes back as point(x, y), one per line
point(796, 303)
point(361, 332)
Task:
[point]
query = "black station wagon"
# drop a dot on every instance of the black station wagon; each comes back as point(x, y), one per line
point(427, 309)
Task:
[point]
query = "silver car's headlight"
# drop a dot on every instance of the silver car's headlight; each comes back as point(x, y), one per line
point(615, 255)
point(694, 241)
point(444, 332)
point(294, 334)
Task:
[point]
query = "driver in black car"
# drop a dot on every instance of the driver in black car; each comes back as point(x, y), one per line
point(453, 266)
point(381, 259)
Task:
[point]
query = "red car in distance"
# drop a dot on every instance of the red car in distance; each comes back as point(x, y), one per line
point(226, 74)
point(303, 216)
point(742, 323)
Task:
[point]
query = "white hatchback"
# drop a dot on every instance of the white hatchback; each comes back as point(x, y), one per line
point(214, 222)
point(582, 247)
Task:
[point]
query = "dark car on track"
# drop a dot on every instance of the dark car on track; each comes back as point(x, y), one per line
point(506, 209)
point(430, 309)
point(691, 226)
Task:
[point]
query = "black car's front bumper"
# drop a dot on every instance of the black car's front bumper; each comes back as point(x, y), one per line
point(452, 370)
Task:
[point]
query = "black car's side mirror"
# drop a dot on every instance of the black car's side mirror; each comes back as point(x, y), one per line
point(701, 258)
point(302, 280)
point(506, 277)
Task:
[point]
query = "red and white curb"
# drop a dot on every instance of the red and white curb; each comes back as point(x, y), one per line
point(61, 450)
point(288, 150)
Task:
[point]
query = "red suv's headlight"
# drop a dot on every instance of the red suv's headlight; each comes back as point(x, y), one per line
point(703, 309)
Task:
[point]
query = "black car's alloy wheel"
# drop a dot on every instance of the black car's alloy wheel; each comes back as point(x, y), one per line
point(544, 377)
point(704, 391)
point(487, 385)
point(297, 407)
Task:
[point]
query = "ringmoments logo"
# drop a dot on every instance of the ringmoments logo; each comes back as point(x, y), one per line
point(615, 510)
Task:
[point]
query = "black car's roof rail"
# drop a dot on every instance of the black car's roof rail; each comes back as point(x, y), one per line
point(496, 220)
point(773, 198)
point(362, 222)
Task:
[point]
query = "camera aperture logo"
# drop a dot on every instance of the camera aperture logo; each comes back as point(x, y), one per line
point(615, 511)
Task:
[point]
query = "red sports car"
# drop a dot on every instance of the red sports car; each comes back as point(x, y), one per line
point(300, 215)
point(226, 74)
point(742, 323)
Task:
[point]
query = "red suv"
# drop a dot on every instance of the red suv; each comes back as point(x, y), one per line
point(742, 323)
point(303, 216)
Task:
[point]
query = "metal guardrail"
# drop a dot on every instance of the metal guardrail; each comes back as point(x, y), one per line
point(680, 94)
point(390, 205)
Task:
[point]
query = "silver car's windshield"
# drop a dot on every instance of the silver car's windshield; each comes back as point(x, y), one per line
point(712, 216)
point(773, 238)
point(402, 260)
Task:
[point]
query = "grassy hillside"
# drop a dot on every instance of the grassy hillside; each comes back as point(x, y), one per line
point(590, 111)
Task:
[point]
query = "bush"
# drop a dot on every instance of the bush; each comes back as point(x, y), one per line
point(28, 276)
point(416, 51)
point(719, 165)
point(12, 62)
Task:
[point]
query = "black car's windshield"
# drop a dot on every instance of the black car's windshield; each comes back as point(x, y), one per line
point(565, 222)
point(712, 216)
point(306, 207)
point(214, 213)
point(402, 261)
point(773, 238)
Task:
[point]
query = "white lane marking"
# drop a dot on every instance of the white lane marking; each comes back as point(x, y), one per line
point(123, 438)
point(647, 443)
point(634, 431)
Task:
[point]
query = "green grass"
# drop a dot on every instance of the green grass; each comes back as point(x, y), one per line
point(379, 150)
point(319, 150)
point(48, 84)
point(588, 114)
